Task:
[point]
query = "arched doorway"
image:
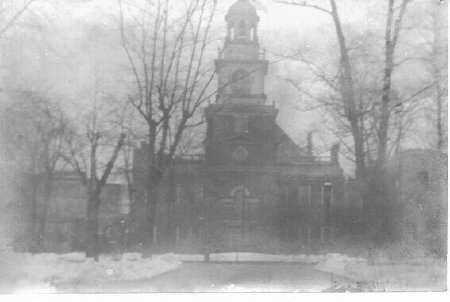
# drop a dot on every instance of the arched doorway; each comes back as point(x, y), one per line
point(240, 220)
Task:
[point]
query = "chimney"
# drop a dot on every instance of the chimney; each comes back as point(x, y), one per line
point(335, 153)
point(309, 146)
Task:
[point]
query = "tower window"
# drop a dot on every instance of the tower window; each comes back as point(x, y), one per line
point(240, 154)
point(241, 82)
point(241, 124)
point(241, 30)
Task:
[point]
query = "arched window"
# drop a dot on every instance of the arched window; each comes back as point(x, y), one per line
point(241, 82)
point(240, 154)
point(241, 30)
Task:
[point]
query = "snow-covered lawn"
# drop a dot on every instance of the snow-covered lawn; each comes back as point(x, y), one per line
point(44, 272)
point(410, 274)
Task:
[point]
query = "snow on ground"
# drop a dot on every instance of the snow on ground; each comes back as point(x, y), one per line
point(41, 273)
point(406, 275)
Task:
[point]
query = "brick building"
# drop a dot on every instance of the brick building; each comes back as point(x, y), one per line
point(253, 185)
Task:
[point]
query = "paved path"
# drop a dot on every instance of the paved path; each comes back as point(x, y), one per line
point(214, 277)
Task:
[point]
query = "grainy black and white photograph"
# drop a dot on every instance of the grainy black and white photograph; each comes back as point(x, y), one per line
point(205, 146)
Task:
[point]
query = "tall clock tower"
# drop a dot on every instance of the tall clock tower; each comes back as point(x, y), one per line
point(241, 127)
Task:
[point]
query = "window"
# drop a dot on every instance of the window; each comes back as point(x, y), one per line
point(304, 195)
point(241, 82)
point(326, 194)
point(240, 154)
point(326, 234)
point(178, 193)
point(241, 124)
point(201, 192)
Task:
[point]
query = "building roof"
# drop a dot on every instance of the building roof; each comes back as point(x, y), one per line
point(288, 151)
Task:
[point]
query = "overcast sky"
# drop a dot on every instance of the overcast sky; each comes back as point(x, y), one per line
point(282, 29)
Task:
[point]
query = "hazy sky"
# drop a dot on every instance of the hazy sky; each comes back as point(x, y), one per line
point(282, 29)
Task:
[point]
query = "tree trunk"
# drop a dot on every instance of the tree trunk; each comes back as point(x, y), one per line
point(392, 30)
point(43, 216)
point(92, 243)
point(33, 234)
point(169, 202)
point(348, 95)
point(146, 215)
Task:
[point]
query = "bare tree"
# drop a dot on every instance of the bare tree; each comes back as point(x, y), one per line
point(439, 67)
point(349, 102)
point(346, 83)
point(91, 154)
point(36, 130)
point(166, 47)
point(360, 106)
point(392, 30)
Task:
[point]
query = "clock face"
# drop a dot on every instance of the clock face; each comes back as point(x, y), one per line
point(240, 154)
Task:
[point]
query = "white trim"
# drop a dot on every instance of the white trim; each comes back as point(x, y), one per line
point(240, 188)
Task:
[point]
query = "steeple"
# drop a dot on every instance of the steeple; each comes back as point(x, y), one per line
point(241, 127)
point(241, 69)
point(241, 41)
